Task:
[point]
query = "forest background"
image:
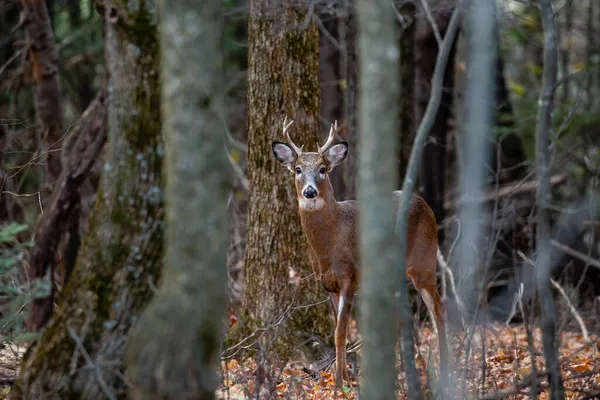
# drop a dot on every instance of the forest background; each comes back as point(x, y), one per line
point(84, 193)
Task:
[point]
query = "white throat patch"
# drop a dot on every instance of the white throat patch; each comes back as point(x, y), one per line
point(311, 204)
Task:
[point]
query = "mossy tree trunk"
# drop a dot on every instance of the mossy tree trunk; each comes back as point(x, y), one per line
point(174, 348)
point(283, 80)
point(80, 352)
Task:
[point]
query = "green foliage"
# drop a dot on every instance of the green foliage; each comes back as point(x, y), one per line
point(15, 296)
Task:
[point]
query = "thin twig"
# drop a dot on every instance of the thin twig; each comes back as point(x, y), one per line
point(13, 58)
point(436, 31)
point(577, 254)
point(453, 291)
point(573, 310)
point(534, 376)
point(92, 365)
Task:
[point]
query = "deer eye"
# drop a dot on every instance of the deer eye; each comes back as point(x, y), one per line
point(298, 170)
point(322, 170)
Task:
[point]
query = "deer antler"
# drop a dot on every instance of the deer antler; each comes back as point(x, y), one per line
point(330, 138)
point(286, 135)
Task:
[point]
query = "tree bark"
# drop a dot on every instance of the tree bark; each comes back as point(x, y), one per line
point(349, 72)
point(173, 350)
point(44, 56)
point(377, 178)
point(55, 221)
point(283, 79)
point(542, 151)
point(80, 353)
point(47, 101)
point(433, 169)
point(332, 99)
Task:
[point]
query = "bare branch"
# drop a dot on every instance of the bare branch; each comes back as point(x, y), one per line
point(90, 363)
point(577, 254)
point(573, 310)
point(508, 190)
point(447, 271)
point(434, 27)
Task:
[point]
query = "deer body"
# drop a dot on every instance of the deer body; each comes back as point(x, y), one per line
point(331, 229)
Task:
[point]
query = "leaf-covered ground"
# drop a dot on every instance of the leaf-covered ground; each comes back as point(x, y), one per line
point(10, 357)
point(501, 354)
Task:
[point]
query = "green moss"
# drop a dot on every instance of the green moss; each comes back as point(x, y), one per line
point(123, 247)
point(141, 32)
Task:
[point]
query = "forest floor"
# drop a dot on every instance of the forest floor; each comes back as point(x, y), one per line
point(499, 353)
point(10, 358)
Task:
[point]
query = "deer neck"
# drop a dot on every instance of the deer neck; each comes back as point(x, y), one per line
point(320, 224)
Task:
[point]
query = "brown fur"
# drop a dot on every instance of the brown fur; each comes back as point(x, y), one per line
point(331, 232)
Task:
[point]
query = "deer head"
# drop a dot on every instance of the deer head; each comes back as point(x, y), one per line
point(311, 169)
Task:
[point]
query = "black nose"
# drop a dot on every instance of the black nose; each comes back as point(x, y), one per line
point(310, 192)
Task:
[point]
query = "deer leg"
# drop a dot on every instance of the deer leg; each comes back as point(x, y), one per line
point(432, 299)
point(346, 298)
point(441, 325)
point(335, 300)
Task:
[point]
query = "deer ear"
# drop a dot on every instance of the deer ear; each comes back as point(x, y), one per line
point(336, 154)
point(284, 154)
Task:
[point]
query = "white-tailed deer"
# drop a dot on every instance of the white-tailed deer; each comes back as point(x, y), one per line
point(330, 228)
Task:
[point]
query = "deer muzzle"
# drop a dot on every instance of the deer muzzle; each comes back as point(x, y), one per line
point(310, 192)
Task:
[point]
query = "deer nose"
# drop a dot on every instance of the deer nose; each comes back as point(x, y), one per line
point(310, 192)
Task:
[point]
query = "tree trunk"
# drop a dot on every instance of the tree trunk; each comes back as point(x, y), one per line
point(47, 100)
point(44, 56)
point(512, 155)
point(63, 207)
point(542, 155)
point(332, 99)
point(349, 72)
point(433, 169)
point(379, 87)
point(80, 353)
point(283, 79)
point(174, 348)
